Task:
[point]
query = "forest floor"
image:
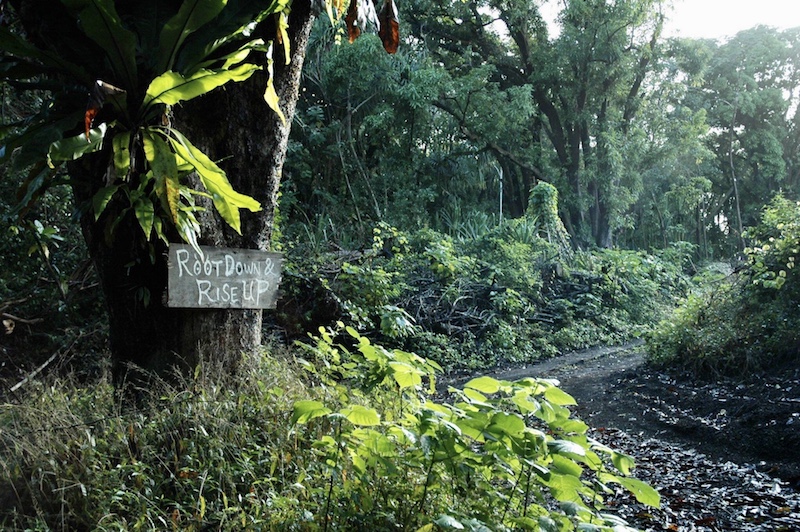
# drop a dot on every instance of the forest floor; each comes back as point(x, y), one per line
point(724, 455)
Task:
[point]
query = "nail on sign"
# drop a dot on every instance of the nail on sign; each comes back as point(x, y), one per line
point(222, 277)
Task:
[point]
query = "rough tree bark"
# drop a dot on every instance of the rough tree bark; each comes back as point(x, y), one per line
point(233, 125)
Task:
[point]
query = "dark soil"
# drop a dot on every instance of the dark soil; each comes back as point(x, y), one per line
point(724, 455)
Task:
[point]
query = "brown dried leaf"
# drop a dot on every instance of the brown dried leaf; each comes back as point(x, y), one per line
point(351, 21)
point(360, 14)
point(389, 31)
point(88, 118)
point(100, 91)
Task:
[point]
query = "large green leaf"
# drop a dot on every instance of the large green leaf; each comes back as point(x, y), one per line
point(524, 402)
point(170, 87)
point(405, 375)
point(643, 492)
point(558, 396)
point(361, 415)
point(101, 23)
point(231, 25)
point(565, 488)
point(475, 396)
point(76, 147)
point(40, 133)
point(527, 523)
point(568, 425)
point(623, 462)
point(165, 170)
point(236, 57)
point(192, 15)
point(145, 214)
point(226, 200)
point(40, 178)
point(566, 447)
point(305, 411)
point(484, 384)
point(510, 424)
point(449, 522)
point(14, 45)
point(551, 413)
point(564, 466)
point(101, 198)
point(122, 154)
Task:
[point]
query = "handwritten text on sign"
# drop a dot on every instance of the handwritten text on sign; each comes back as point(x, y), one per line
point(222, 277)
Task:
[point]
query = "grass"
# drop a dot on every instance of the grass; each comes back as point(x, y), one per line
point(323, 438)
point(192, 453)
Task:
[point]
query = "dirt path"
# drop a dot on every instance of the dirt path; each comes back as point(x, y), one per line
point(725, 456)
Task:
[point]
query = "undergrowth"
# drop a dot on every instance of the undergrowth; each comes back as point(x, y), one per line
point(344, 435)
point(506, 294)
point(744, 322)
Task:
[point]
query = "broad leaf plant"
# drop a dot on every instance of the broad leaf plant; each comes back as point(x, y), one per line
point(204, 45)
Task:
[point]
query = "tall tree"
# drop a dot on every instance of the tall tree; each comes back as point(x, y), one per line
point(369, 144)
point(140, 158)
point(750, 90)
point(356, 141)
point(587, 84)
point(671, 155)
point(129, 192)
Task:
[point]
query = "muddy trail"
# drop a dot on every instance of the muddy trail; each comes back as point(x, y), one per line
point(725, 456)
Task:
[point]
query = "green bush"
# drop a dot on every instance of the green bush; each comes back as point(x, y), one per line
point(776, 245)
point(700, 333)
point(358, 441)
point(212, 452)
point(747, 321)
point(49, 291)
point(504, 294)
point(503, 455)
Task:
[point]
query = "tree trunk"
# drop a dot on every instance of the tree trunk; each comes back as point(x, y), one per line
point(235, 127)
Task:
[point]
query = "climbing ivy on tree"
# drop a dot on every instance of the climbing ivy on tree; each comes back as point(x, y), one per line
point(543, 209)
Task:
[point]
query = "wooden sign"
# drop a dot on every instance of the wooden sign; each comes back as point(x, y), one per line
point(222, 277)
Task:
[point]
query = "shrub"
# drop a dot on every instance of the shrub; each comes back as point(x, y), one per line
point(747, 321)
point(212, 452)
point(360, 441)
point(504, 294)
point(502, 455)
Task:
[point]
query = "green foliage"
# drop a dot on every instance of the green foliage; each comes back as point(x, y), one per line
point(746, 321)
point(354, 142)
point(543, 209)
point(406, 461)
point(752, 118)
point(777, 239)
point(359, 441)
point(213, 454)
point(532, 99)
point(140, 74)
point(677, 168)
point(503, 294)
point(698, 334)
point(424, 139)
point(634, 281)
point(48, 292)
